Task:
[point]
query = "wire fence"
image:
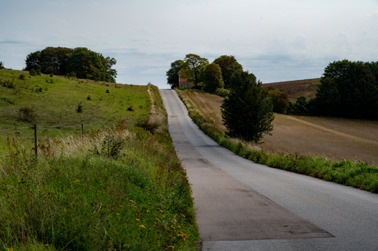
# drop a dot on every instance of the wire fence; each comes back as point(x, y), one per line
point(36, 128)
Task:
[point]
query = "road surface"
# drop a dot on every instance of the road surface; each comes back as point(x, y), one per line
point(241, 205)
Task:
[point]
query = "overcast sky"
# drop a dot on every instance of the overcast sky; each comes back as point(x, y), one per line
point(277, 40)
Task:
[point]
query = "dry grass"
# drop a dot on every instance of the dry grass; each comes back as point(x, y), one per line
point(306, 87)
point(333, 138)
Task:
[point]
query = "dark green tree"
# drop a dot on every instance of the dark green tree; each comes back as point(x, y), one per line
point(80, 62)
point(280, 100)
point(1, 65)
point(247, 111)
point(228, 65)
point(197, 65)
point(348, 89)
point(173, 73)
point(85, 63)
point(212, 78)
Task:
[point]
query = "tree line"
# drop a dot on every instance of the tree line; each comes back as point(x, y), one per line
point(79, 62)
point(198, 70)
point(347, 89)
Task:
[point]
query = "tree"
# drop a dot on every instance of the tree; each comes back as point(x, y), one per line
point(348, 89)
point(280, 100)
point(1, 65)
point(247, 111)
point(173, 73)
point(80, 62)
point(212, 78)
point(228, 65)
point(196, 64)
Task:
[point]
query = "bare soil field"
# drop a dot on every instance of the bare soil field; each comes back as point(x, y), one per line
point(333, 138)
point(306, 87)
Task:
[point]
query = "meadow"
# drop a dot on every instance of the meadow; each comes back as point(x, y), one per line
point(333, 149)
point(120, 187)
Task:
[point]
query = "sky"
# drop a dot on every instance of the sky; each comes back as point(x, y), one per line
point(277, 40)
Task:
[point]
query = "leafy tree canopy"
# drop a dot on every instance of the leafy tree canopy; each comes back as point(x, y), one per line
point(247, 111)
point(173, 73)
point(80, 62)
point(348, 89)
point(228, 65)
point(196, 64)
point(1, 65)
point(212, 78)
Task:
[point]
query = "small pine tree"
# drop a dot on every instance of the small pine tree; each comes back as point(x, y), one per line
point(247, 111)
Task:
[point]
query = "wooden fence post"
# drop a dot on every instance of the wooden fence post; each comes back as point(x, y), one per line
point(35, 141)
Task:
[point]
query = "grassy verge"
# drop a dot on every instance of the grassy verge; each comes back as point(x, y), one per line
point(115, 189)
point(359, 175)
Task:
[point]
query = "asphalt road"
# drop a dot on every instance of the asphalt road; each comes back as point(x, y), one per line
point(241, 205)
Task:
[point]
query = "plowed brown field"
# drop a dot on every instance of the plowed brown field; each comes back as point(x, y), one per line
point(333, 138)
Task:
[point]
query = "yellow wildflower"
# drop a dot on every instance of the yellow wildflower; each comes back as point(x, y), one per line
point(117, 214)
point(161, 211)
point(157, 219)
point(173, 227)
point(171, 247)
point(142, 226)
point(137, 219)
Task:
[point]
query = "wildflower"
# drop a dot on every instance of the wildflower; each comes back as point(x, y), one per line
point(161, 211)
point(142, 226)
point(120, 206)
point(137, 219)
point(171, 247)
point(117, 214)
point(148, 211)
point(157, 219)
point(178, 226)
point(132, 201)
point(173, 227)
point(23, 171)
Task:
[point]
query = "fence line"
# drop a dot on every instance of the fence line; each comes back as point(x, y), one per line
point(35, 127)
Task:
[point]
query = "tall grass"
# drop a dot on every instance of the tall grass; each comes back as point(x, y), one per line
point(115, 189)
point(359, 175)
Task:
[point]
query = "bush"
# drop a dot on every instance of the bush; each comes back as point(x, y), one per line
point(27, 114)
point(222, 92)
point(8, 84)
point(79, 108)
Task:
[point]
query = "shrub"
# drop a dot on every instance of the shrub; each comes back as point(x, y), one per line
point(27, 114)
point(79, 108)
point(8, 84)
point(222, 92)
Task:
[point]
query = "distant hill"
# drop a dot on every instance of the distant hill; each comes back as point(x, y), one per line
point(305, 87)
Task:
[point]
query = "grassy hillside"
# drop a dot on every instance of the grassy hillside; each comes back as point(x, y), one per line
point(296, 88)
point(320, 147)
point(58, 104)
point(121, 187)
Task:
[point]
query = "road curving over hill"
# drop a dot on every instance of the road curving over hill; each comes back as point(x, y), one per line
point(241, 205)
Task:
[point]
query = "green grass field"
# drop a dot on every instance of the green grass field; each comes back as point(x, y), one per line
point(120, 187)
point(53, 103)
